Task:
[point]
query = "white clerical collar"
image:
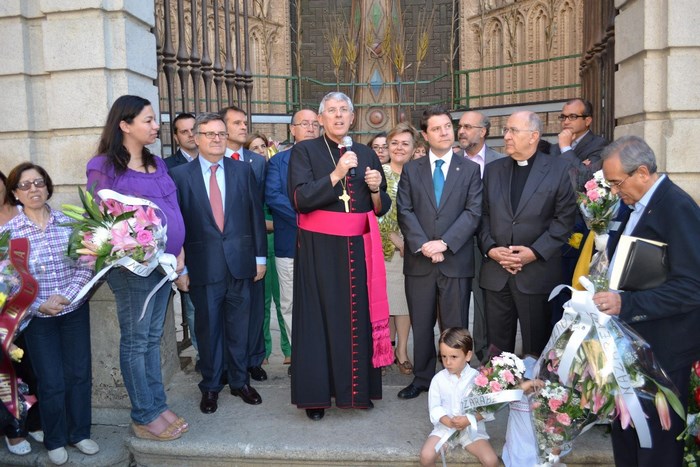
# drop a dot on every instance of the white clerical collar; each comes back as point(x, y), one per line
point(522, 163)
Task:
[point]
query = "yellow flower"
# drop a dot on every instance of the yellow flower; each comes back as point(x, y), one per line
point(16, 353)
point(3, 299)
point(575, 240)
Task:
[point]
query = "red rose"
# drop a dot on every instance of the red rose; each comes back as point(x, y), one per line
point(697, 396)
point(697, 440)
point(696, 368)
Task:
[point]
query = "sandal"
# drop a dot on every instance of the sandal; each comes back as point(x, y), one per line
point(405, 368)
point(171, 433)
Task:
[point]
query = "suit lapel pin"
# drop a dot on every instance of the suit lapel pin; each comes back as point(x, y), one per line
point(457, 169)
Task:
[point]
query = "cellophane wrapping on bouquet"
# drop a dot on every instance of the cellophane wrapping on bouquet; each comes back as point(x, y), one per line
point(595, 367)
point(119, 230)
point(497, 384)
point(18, 289)
point(598, 207)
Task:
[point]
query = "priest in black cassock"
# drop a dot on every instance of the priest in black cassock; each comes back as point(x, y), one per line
point(340, 335)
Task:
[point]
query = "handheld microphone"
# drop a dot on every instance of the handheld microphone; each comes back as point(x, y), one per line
point(347, 142)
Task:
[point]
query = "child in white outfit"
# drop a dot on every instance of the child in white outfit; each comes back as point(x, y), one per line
point(447, 389)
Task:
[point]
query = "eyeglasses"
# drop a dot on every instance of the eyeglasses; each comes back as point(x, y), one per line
point(619, 184)
point(380, 147)
point(571, 117)
point(467, 126)
point(26, 185)
point(305, 124)
point(514, 131)
point(213, 134)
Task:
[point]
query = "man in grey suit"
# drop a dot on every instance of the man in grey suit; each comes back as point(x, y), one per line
point(577, 144)
point(472, 131)
point(528, 213)
point(439, 205)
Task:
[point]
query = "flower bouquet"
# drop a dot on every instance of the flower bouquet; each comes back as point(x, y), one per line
point(598, 206)
point(602, 366)
point(497, 384)
point(119, 231)
point(691, 434)
point(18, 289)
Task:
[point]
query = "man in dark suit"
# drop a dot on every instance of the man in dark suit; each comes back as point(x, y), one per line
point(577, 144)
point(667, 316)
point(472, 131)
point(237, 128)
point(304, 126)
point(528, 213)
point(439, 205)
point(183, 132)
point(225, 248)
point(183, 127)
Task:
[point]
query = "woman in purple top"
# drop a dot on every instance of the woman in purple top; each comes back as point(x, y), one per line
point(125, 165)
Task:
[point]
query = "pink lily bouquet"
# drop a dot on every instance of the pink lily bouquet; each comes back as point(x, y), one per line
point(595, 367)
point(119, 231)
point(497, 384)
point(108, 231)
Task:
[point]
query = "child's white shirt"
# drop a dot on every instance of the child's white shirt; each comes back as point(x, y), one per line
point(445, 398)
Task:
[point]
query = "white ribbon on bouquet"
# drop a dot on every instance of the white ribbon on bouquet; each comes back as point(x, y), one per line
point(581, 306)
point(166, 261)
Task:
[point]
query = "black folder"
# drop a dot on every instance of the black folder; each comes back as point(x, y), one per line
point(640, 264)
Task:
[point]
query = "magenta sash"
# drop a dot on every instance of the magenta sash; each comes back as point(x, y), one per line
point(344, 224)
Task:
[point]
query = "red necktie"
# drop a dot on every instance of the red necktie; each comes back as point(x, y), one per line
point(236, 156)
point(217, 205)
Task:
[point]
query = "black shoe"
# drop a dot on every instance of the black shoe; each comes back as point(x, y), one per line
point(248, 394)
point(411, 392)
point(209, 402)
point(289, 371)
point(257, 373)
point(315, 414)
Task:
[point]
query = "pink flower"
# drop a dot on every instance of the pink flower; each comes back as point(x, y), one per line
point(593, 195)
point(481, 381)
point(114, 207)
point(146, 217)
point(495, 386)
point(662, 408)
point(144, 237)
point(121, 237)
point(598, 401)
point(564, 419)
point(622, 410)
point(590, 185)
point(554, 404)
point(508, 376)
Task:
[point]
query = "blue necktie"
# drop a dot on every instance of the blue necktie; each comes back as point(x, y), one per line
point(438, 180)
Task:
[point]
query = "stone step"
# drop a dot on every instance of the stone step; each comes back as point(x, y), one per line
point(277, 433)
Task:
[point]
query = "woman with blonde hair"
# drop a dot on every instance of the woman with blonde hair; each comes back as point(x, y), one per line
point(402, 142)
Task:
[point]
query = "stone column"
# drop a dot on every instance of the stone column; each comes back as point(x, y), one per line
point(657, 84)
point(64, 64)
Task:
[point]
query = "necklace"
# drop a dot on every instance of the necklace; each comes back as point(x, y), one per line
point(344, 197)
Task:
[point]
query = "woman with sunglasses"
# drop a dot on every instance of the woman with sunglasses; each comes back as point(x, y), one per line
point(124, 164)
point(58, 335)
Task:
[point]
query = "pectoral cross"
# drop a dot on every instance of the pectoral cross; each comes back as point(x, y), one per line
point(345, 198)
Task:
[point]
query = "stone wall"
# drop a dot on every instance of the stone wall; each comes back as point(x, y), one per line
point(657, 84)
point(63, 65)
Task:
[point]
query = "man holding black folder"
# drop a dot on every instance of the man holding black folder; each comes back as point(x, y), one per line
point(667, 315)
